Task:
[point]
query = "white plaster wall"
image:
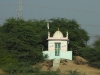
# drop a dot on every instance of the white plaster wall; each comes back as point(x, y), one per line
point(69, 55)
point(64, 46)
point(51, 45)
point(51, 55)
point(64, 55)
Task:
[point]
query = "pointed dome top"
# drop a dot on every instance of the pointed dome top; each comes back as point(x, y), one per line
point(58, 34)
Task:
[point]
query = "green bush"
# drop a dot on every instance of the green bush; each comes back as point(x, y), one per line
point(37, 71)
point(75, 72)
point(57, 72)
point(18, 68)
point(95, 64)
point(92, 55)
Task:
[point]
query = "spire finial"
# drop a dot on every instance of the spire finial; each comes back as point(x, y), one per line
point(67, 34)
point(58, 29)
point(48, 25)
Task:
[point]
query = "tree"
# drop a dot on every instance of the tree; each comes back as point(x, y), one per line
point(97, 44)
point(22, 40)
point(92, 54)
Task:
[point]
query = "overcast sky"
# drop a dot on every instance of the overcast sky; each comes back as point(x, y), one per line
point(85, 12)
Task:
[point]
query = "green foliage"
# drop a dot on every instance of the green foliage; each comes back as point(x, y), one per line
point(6, 58)
point(48, 73)
point(95, 64)
point(75, 72)
point(97, 44)
point(22, 41)
point(19, 68)
point(28, 70)
point(95, 61)
point(92, 55)
point(20, 44)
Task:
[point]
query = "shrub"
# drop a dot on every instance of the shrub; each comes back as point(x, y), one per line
point(57, 72)
point(18, 68)
point(92, 55)
point(95, 64)
point(75, 72)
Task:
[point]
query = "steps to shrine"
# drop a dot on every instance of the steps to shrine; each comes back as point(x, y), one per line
point(56, 63)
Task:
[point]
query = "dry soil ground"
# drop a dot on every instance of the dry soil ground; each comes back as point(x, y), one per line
point(83, 68)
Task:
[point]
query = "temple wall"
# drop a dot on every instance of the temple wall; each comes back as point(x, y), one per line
point(51, 45)
point(64, 55)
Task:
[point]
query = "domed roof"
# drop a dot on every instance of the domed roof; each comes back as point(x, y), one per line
point(58, 34)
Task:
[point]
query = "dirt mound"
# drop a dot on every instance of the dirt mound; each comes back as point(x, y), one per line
point(1, 72)
point(79, 60)
point(46, 65)
point(66, 65)
point(63, 61)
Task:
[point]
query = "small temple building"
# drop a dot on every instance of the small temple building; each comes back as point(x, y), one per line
point(58, 46)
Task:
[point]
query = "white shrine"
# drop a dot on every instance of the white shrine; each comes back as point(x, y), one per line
point(58, 46)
